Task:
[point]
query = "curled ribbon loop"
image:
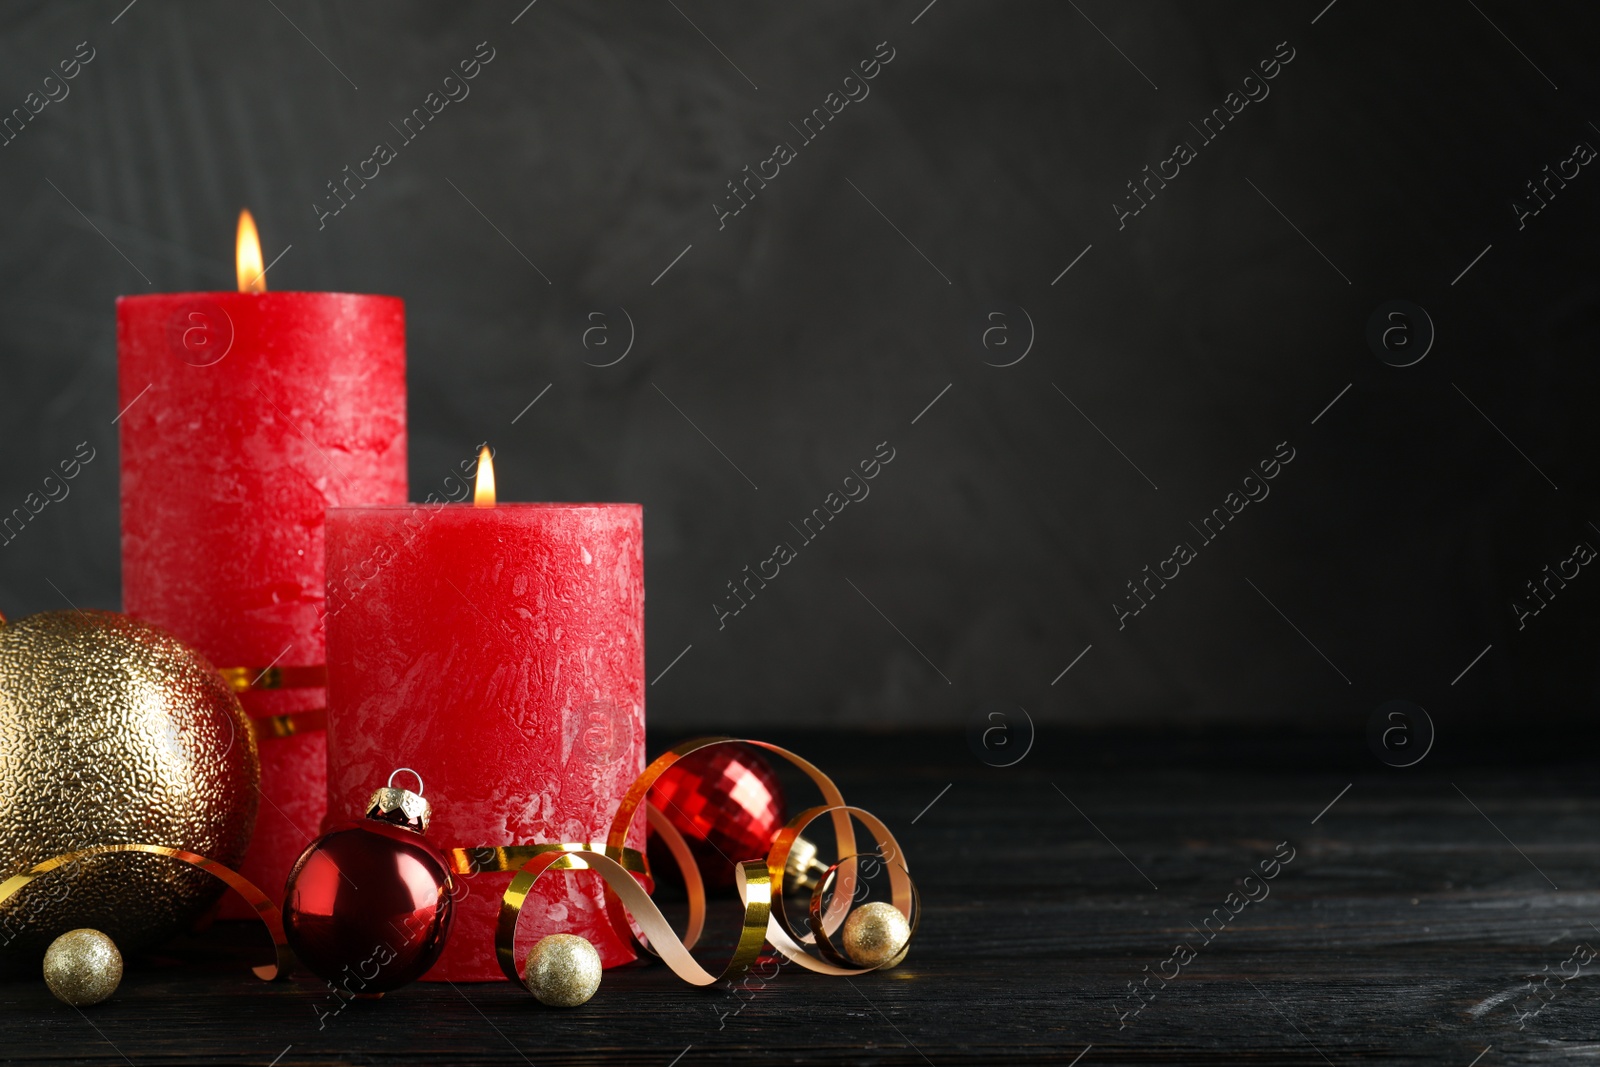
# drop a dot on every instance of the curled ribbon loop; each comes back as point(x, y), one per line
point(825, 921)
point(640, 923)
point(266, 911)
point(754, 886)
point(695, 886)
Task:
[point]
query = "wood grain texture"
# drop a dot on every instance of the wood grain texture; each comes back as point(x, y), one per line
point(1393, 936)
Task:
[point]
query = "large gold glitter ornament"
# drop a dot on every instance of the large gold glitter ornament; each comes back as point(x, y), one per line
point(82, 967)
point(114, 732)
point(563, 970)
point(877, 935)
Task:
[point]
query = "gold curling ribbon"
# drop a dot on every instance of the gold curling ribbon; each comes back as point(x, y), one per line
point(690, 868)
point(241, 679)
point(754, 886)
point(489, 858)
point(628, 903)
point(825, 921)
point(266, 911)
point(269, 727)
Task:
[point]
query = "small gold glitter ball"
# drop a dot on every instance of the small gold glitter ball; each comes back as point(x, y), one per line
point(563, 970)
point(82, 967)
point(877, 935)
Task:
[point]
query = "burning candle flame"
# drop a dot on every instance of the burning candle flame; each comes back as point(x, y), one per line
point(252, 277)
point(483, 492)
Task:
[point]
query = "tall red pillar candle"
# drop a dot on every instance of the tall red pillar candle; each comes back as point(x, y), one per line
point(243, 416)
point(499, 652)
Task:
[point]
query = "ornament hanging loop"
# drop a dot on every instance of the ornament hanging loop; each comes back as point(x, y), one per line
point(400, 806)
point(414, 774)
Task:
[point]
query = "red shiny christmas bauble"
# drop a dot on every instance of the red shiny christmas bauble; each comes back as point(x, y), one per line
point(726, 801)
point(368, 906)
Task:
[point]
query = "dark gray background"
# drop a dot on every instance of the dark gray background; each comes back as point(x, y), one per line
point(809, 329)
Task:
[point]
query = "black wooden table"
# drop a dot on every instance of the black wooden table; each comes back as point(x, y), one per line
point(1438, 914)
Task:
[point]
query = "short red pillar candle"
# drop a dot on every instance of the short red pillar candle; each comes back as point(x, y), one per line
point(243, 416)
point(498, 651)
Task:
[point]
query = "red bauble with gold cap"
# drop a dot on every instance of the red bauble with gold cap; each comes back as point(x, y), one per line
point(368, 905)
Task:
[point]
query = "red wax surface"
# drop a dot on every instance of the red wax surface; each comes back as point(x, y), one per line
point(244, 416)
point(499, 652)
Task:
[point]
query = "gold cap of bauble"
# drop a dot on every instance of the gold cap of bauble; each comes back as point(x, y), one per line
point(114, 732)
